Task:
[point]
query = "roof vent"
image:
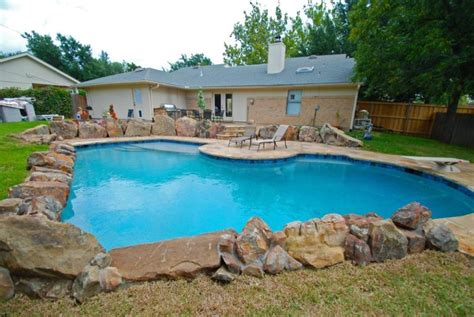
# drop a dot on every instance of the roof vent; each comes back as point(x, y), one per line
point(307, 69)
point(139, 69)
point(195, 66)
point(313, 57)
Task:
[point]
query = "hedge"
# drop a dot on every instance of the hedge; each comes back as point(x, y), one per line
point(48, 100)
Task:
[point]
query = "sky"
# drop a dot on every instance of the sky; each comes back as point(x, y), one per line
point(149, 33)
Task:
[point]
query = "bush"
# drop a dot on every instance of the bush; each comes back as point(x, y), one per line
point(49, 100)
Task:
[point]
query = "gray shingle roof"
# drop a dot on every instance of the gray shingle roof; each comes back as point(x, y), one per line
point(328, 69)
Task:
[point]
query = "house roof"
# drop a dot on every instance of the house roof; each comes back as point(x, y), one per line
point(328, 69)
point(36, 59)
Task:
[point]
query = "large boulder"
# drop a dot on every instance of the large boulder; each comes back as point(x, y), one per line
point(110, 278)
point(51, 160)
point(309, 134)
point(91, 130)
point(46, 206)
point(113, 128)
point(291, 133)
point(278, 260)
point(36, 138)
point(138, 127)
point(317, 242)
point(49, 177)
point(357, 250)
point(163, 125)
point(37, 287)
point(186, 126)
point(10, 206)
point(253, 269)
point(216, 128)
point(416, 240)
point(440, 237)
point(359, 225)
point(267, 132)
point(386, 241)
point(223, 275)
point(206, 129)
point(87, 283)
point(42, 248)
point(333, 136)
point(63, 148)
point(411, 216)
point(41, 129)
point(7, 290)
point(64, 129)
point(58, 190)
point(232, 263)
point(254, 241)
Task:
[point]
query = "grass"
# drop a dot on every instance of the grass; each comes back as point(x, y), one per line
point(430, 284)
point(13, 155)
point(393, 143)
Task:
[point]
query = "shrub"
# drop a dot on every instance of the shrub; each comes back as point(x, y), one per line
point(49, 100)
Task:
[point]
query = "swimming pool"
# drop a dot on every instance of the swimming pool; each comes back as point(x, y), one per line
point(133, 193)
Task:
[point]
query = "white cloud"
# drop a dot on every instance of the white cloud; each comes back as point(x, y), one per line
point(148, 33)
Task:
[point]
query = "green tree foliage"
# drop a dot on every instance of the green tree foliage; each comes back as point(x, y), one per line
point(193, 60)
point(48, 100)
point(73, 57)
point(421, 48)
point(200, 100)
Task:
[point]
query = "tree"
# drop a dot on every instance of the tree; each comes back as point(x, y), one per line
point(200, 100)
point(421, 48)
point(73, 57)
point(193, 60)
point(253, 35)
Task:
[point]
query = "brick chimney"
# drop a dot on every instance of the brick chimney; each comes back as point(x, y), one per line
point(276, 56)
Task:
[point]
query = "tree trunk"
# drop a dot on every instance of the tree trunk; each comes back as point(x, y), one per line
point(450, 122)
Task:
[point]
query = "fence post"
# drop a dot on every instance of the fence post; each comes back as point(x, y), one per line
point(408, 111)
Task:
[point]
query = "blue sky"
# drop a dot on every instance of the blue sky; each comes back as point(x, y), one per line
point(148, 33)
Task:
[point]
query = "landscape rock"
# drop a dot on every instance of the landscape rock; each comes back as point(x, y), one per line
point(309, 134)
point(55, 146)
point(138, 127)
point(386, 241)
point(36, 138)
point(113, 128)
point(317, 243)
point(359, 225)
point(163, 125)
point(43, 248)
point(232, 263)
point(41, 129)
point(110, 278)
point(333, 136)
point(278, 238)
point(357, 250)
point(44, 205)
point(216, 128)
point(102, 260)
point(123, 124)
point(441, 238)
point(42, 169)
point(36, 287)
point(183, 257)
point(416, 240)
point(291, 133)
point(58, 190)
point(278, 260)
point(411, 216)
point(226, 243)
point(91, 130)
point(64, 129)
point(223, 275)
point(86, 284)
point(49, 177)
point(205, 129)
point(267, 132)
point(186, 126)
point(51, 160)
point(253, 269)
point(254, 241)
point(10, 206)
point(7, 290)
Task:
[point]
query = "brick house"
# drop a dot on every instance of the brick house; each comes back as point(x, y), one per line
point(283, 91)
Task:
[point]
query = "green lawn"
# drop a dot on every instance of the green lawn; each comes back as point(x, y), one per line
point(393, 143)
point(428, 284)
point(13, 155)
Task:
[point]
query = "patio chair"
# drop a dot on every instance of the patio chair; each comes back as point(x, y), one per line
point(249, 133)
point(207, 114)
point(279, 136)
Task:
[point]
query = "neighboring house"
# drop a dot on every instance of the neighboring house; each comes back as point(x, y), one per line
point(284, 91)
point(27, 71)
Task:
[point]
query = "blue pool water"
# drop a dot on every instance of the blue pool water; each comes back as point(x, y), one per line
point(128, 194)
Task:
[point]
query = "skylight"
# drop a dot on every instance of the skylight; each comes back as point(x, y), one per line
point(306, 69)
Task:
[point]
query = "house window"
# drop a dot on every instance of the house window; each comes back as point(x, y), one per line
point(140, 113)
point(137, 97)
point(130, 113)
point(293, 105)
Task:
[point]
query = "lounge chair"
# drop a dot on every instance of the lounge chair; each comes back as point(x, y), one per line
point(279, 136)
point(249, 133)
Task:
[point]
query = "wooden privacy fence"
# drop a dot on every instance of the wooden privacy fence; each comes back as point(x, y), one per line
point(408, 118)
